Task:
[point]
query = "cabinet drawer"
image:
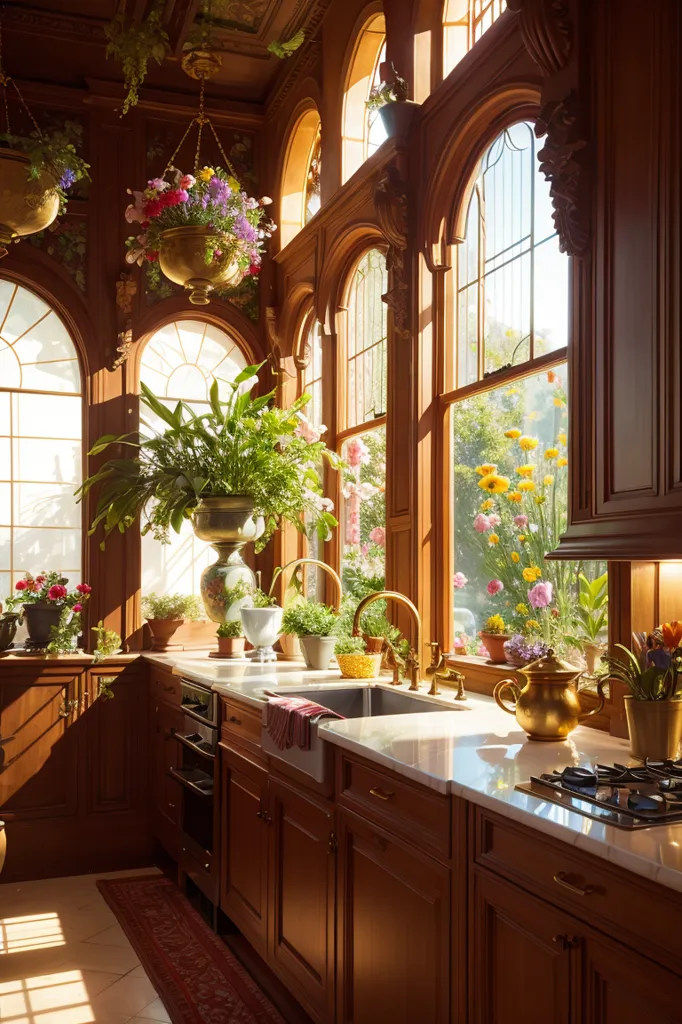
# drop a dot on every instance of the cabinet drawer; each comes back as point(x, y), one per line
point(409, 810)
point(198, 866)
point(165, 687)
point(240, 724)
point(596, 891)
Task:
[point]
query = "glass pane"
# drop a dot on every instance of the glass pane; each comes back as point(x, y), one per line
point(47, 416)
point(510, 508)
point(4, 415)
point(5, 547)
point(366, 340)
point(45, 503)
point(179, 362)
point(60, 461)
point(363, 519)
point(510, 270)
point(376, 133)
point(10, 367)
point(36, 549)
point(61, 375)
point(5, 504)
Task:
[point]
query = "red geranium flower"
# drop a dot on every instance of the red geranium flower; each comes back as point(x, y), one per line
point(20, 585)
point(153, 255)
point(84, 588)
point(56, 592)
point(77, 608)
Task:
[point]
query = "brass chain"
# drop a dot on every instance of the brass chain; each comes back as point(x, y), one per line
point(200, 120)
point(5, 80)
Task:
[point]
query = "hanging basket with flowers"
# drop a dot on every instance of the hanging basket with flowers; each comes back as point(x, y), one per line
point(202, 228)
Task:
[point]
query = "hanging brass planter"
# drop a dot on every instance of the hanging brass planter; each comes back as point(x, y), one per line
point(182, 259)
point(25, 206)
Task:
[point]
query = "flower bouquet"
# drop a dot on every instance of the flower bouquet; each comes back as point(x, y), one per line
point(202, 230)
point(521, 651)
point(51, 612)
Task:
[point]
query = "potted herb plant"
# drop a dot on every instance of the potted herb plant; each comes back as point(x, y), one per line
point(165, 614)
point(494, 635)
point(354, 660)
point(44, 598)
point(202, 229)
point(653, 674)
point(390, 100)
point(262, 624)
point(314, 625)
point(591, 613)
point(226, 469)
point(230, 639)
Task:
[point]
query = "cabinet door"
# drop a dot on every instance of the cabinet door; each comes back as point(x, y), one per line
point(621, 987)
point(394, 929)
point(301, 899)
point(244, 845)
point(166, 793)
point(38, 754)
point(117, 753)
point(520, 956)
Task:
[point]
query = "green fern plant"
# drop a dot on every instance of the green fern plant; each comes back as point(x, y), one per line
point(592, 608)
point(133, 45)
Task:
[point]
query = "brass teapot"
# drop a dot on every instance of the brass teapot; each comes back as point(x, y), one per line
point(548, 706)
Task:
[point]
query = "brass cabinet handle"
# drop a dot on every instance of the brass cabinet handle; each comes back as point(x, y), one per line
point(379, 793)
point(235, 721)
point(565, 941)
point(207, 867)
point(260, 814)
point(333, 844)
point(169, 689)
point(561, 879)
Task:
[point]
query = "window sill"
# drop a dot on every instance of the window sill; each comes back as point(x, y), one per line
point(480, 674)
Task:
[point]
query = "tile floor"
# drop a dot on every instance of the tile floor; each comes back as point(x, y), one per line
point(65, 960)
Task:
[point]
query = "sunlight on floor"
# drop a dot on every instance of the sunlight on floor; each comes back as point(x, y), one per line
point(59, 998)
point(37, 931)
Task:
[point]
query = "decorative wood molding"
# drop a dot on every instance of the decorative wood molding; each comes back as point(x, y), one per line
point(390, 199)
point(546, 31)
point(125, 342)
point(558, 120)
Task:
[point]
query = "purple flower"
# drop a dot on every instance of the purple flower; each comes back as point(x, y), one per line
point(494, 587)
point(540, 596)
point(67, 179)
point(183, 195)
point(519, 646)
point(244, 230)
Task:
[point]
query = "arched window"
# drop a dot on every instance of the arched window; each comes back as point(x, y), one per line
point(301, 177)
point(362, 416)
point(178, 362)
point(41, 418)
point(508, 299)
point(363, 131)
point(464, 22)
point(310, 382)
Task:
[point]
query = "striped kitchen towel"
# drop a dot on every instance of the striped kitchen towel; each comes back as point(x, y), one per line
point(288, 720)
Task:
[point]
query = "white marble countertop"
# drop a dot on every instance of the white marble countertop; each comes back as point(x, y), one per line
point(480, 756)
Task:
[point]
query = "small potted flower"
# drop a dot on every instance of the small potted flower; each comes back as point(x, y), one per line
point(494, 636)
point(314, 625)
point(353, 659)
point(653, 674)
point(521, 650)
point(44, 598)
point(166, 614)
point(230, 639)
point(262, 625)
point(390, 100)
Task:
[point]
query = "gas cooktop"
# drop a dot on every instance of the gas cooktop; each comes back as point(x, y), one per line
point(627, 797)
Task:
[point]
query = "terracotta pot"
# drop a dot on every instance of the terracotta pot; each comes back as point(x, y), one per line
point(231, 646)
point(494, 645)
point(290, 645)
point(228, 526)
point(182, 260)
point(162, 630)
point(374, 644)
point(655, 728)
point(359, 666)
point(398, 118)
point(318, 651)
point(40, 618)
point(25, 206)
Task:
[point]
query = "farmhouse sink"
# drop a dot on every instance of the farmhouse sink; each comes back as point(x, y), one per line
point(350, 702)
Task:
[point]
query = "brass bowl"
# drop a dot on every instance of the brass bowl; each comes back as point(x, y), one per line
point(25, 206)
point(182, 260)
point(229, 519)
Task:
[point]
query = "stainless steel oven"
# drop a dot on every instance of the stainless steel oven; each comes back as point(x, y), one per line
point(199, 702)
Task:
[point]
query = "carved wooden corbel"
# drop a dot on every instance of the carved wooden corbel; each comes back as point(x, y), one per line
point(390, 197)
point(125, 343)
point(560, 164)
point(546, 32)
point(274, 356)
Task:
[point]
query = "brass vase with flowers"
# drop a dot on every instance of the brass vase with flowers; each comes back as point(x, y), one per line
point(235, 471)
point(653, 674)
point(26, 206)
point(548, 706)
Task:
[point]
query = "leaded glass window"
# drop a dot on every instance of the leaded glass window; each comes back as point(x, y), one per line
point(179, 362)
point(464, 22)
point(313, 199)
point(41, 418)
point(366, 341)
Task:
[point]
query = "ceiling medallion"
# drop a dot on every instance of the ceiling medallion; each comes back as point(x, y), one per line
point(201, 64)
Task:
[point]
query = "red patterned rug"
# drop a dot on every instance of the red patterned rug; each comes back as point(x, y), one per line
point(197, 977)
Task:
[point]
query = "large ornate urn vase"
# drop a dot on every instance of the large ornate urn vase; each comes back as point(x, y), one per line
point(25, 206)
point(182, 259)
point(228, 526)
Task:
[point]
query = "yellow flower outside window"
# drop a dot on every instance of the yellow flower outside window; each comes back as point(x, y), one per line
point(515, 557)
point(526, 485)
point(551, 453)
point(526, 470)
point(515, 496)
point(494, 484)
point(513, 433)
point(528, 444)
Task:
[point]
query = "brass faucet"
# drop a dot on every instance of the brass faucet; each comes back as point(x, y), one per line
point(438, 671)
point(310, 561)
point(412, 662)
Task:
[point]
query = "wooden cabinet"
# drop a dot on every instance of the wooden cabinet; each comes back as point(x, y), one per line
point(302, 873)
point(244, 846)
point(393, 929)
point(74, 767)
point(531, 962)
point(166, 795)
